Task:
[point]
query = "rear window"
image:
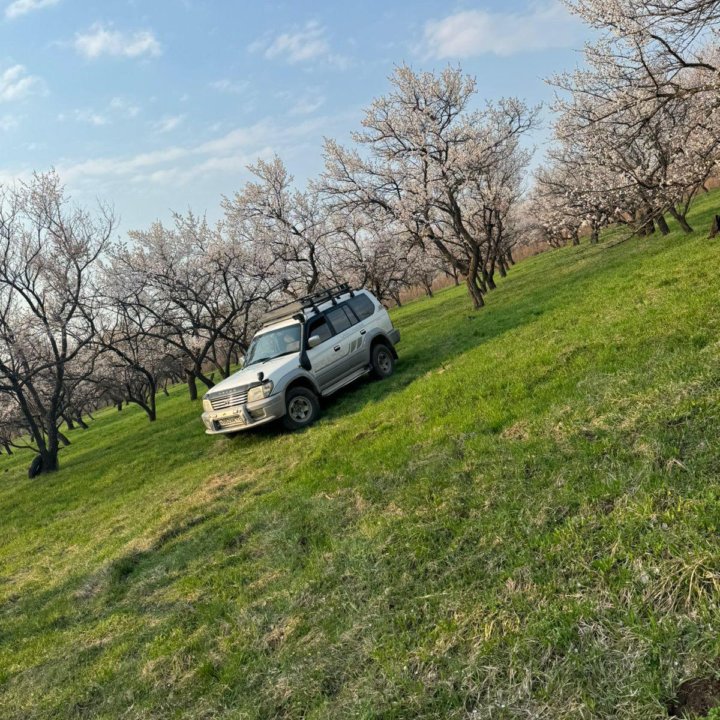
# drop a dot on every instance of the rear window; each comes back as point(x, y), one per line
point(362, 305)
point(340, 319)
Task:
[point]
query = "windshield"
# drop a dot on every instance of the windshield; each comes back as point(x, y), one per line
point(275, 343)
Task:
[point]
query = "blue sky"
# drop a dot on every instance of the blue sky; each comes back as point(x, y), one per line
point(159, 105)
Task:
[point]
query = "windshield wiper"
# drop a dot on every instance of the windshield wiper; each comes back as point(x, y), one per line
point(254, 362)
point(271, 357)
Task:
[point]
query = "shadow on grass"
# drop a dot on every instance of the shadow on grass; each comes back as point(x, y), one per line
point(139, 594)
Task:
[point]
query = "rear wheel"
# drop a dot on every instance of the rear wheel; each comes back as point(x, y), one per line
point(301, 408)
point(382, 361)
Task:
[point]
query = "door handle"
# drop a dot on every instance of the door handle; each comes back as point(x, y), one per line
point(362, 332)
point(336, 348)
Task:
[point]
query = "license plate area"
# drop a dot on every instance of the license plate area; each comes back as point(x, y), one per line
point(228, 422)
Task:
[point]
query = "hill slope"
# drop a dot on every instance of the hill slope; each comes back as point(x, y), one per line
point(521, 522)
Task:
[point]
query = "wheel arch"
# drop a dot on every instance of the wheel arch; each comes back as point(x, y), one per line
point(382, 339)
point(302, 381)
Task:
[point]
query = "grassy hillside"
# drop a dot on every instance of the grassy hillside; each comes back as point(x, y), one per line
point(521, 523)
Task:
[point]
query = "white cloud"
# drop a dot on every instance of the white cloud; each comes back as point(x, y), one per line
point(168, 123)
point(123, 107)
point(88, 116)
point(190, 174)
point(22, 7)
point(230, 86)
point(307, 104)
point(229, 152)
point(100, 40)
point(117, 108)
point(15, 84)
point(477, 32)
point(95, 168)
point(243, 137)
point(299, 46)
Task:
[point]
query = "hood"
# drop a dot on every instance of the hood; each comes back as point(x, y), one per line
point(272, 369)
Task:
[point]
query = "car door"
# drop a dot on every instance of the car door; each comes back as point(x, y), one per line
point(341, 320)
point(362, 308)
point(323, 357)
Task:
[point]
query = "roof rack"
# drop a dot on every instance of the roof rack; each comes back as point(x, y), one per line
point(312, 300)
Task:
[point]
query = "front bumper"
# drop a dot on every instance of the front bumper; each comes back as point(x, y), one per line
point(243, 417)
point(394, 336)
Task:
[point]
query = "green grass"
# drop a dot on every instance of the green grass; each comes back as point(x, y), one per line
point(521, 523)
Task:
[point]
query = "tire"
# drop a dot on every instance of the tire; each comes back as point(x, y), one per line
point(382, 361)
point(301, 408)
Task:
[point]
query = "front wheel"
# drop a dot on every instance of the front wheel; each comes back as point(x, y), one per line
point(301, 408)
point(382, 361)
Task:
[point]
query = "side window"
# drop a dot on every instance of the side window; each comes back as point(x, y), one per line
point(340, 319)
point(362, 305)
point(320, 327)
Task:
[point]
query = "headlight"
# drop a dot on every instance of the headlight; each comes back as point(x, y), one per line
point(260, 391)
point(207, 405)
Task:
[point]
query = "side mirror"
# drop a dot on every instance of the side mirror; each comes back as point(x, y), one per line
point(313, 341)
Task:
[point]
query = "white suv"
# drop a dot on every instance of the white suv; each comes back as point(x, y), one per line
point(306, 349)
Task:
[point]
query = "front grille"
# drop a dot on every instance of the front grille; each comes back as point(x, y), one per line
point(228, 398)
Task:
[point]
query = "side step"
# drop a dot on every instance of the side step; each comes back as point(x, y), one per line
point(346, 380)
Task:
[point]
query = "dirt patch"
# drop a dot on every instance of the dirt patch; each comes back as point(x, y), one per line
point(280, 632)
point(695, 698)
point(518, 431)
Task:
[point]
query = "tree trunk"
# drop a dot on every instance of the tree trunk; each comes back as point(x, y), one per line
point(148, 408)
point(681, 219)
point(662, 224)
point(63, 439)
point(119, 405)
point(81, 422)
point(192, 385)
point(208, 382)
point(8, 449)
point(644, 224)
point(502, 267)
point(49, 461)
point(475, 293)
point(489, 280)
point(49, 453)
point(474, 279)
point(152, 404)
point(715, 227)
point(69, 422)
